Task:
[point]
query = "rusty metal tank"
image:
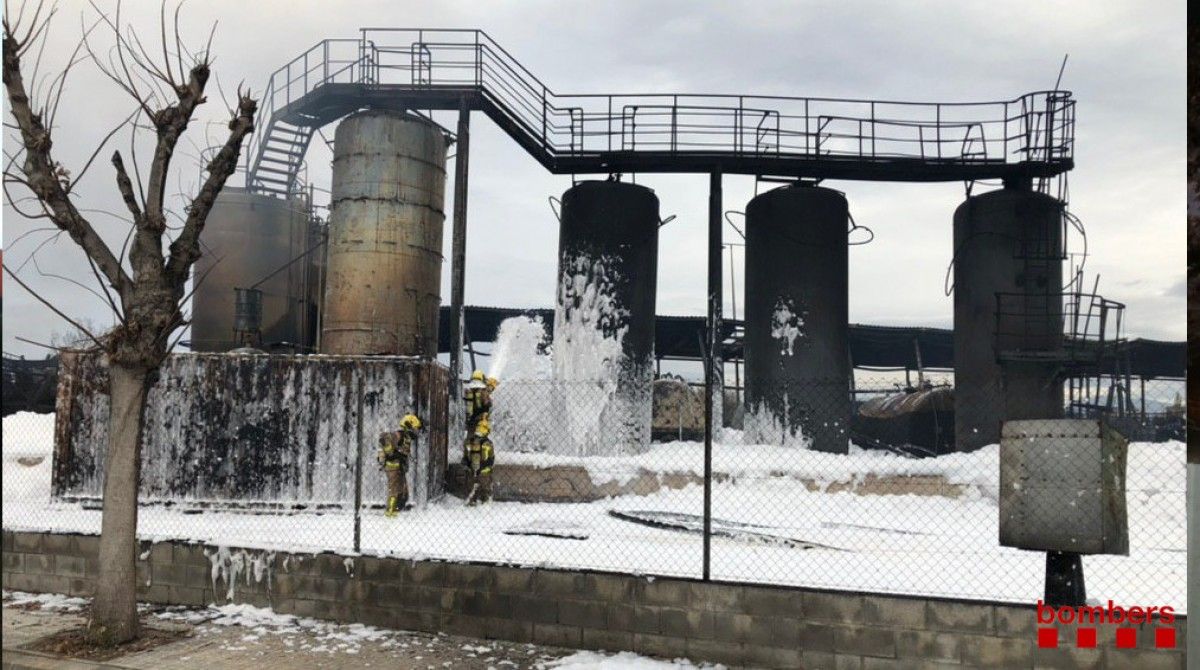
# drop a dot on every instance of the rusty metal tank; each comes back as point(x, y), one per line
point(247, 237)
point(384, 261)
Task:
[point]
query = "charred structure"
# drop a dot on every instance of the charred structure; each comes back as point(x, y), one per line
point(1008, 283)
point(604, 312)
point(797, 318)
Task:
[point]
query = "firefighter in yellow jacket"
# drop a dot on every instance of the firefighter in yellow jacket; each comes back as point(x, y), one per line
point(479, 457)
point(478, 399)
point(395, 448)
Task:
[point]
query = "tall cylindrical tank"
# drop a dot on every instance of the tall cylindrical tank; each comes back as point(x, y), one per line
point(1008, 247)
point(247, 237)
point(604, 316)
point(797, 312)
point(384, 263)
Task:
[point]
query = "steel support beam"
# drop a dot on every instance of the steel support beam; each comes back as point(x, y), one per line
point(712, 367)
point(458, 258)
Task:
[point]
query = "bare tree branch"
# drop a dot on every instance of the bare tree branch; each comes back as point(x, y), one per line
point(42, 170)
point(44, 345)
point(186, 249)
point(52, 307)
point(125, 186)
point(95, 153)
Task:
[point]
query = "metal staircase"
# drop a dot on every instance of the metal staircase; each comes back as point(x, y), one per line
point(1029, 137)
point(279, 158)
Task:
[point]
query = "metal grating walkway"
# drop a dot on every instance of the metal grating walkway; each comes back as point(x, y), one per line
point(1031, 136)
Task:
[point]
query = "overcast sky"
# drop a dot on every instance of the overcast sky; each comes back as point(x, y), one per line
point(1126, 68)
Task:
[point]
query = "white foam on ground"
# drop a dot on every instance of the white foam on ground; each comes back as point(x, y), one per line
point(946, 547)
point(28, 447)
point(591, 660)
point(314, 635)
point(46, 601)
point(28, 434)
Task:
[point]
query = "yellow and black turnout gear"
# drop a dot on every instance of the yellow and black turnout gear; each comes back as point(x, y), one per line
point(478, 398)
point(479, 457)
point(395, 448)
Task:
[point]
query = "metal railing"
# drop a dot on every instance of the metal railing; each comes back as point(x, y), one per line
point(1037, 127)
point(1066, 327)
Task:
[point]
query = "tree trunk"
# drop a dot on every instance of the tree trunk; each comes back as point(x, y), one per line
point(114, 611)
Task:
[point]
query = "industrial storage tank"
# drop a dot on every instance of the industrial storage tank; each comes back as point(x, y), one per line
point(384, 264)
point(604, 316)
point(250, 239)
point(797, 312)
point(1007, 297)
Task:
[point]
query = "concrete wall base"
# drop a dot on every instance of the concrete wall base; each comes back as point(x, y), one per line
point(735, 624)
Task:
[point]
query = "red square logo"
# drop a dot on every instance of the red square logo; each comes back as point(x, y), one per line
point(1164, 638)
point(1126, 638)
point(1085, 637)
point(1047, 638)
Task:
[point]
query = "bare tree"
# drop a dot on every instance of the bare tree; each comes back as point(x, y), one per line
point(144, 284)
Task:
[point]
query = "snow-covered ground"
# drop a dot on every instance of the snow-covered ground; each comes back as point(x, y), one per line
point(738, 460)
point(889, 543)
point(591, 660)
point(240, 636)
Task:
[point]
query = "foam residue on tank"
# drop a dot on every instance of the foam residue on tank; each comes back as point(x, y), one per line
point(250, 429)
point(577, 399)
point(603, 407)
point(761, 425)
point(590, 325)
point(787, 326)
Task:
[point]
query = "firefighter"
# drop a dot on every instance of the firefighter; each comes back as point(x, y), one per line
point(479, 457)
point(395, 448)
point(478, 399)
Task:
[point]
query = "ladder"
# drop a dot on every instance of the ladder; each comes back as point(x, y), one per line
point(280, 157)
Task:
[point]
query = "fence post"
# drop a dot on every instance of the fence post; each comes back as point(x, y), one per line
point(358, 466)
point(712, 373)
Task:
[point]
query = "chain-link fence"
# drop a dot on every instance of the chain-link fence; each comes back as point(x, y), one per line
point(867, 492)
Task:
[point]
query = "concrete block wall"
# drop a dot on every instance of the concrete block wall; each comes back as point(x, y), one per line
point(735, 624)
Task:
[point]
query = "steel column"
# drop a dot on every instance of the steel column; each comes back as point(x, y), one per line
point(358, 458)
point(712, 371)
point(458, 258)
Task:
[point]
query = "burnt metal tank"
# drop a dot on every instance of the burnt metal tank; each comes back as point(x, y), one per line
point(797, 311)
point(384, 262)
point(1007, 296)
point(919, 421)
point(247, 239)
point(604, 314)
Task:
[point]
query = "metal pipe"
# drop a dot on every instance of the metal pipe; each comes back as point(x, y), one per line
point(711, 371)
point(358, 470)
point(324, 233)
point(458, 257)
point(737, 366)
